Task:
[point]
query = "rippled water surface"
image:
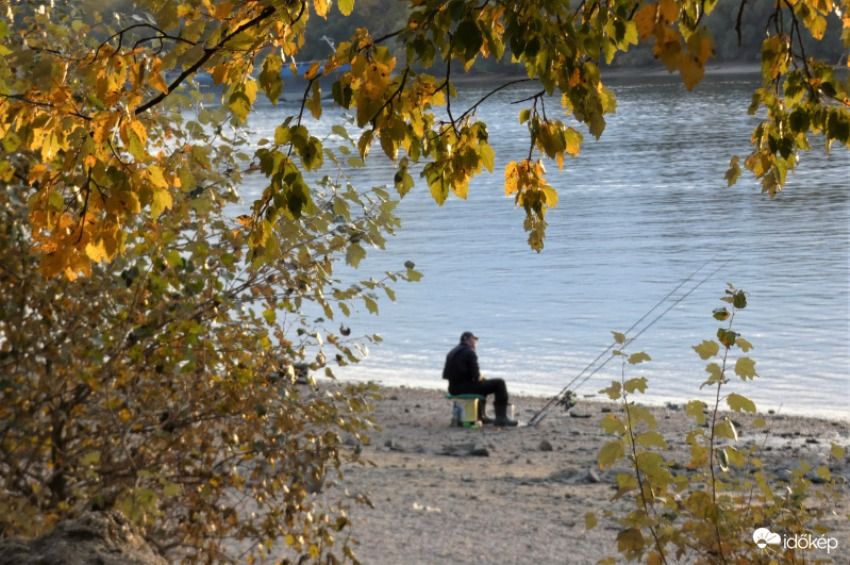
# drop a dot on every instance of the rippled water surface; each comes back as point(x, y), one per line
point(640, 210)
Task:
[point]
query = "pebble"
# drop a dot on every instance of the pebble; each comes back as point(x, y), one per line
point(392, 445)
point(545, 446)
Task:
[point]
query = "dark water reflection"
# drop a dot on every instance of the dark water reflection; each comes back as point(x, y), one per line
point(640, 210)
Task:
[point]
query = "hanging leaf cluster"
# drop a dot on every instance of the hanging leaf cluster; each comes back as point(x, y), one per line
point(90, 103)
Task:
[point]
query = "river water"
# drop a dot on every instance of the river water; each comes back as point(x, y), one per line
point(640, 210)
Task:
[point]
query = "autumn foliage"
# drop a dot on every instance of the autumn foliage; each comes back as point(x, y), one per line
point(150, 332)
point(702, 503)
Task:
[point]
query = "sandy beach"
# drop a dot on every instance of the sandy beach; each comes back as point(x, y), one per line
point(444, 494)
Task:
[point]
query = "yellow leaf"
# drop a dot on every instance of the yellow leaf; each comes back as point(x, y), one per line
point(707, 349)
point(511, 178)
point(667, 47)
point(738, 403)
point(321, 7)
point(97, 251)
point(345, 7)
point(222, 10)
point(702, 46)
point(139, 129)
point(313, 71)
point(691, 70)
point(161, 201)
point(746, 368)
point(645, 20)
point(155, 77)
point(314, 103)
point(669, 10)
point(156, 177)
point(590, 521)
point(551, 196)
point(573, 139)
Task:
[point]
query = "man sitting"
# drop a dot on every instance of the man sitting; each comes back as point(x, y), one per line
point(461, 370)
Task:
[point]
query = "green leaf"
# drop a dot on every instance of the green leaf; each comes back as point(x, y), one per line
point(468, 38)
point(612, 424)
point(707, 349)
point(610, 453)
point(726, 337)
point(354, 255)
point(734, 172)
point(641, 414)
point(715, 372)
point(488, 156)
point(837, 452)
point(720, 314)
point(745, 368)
point(613, 391)
point(739, 300)
point(696, 410)
point(341, 131)
point(314, 101)
point(632, 385)
point(735, 457)
point(726, 429)
point(738, 403)
point(371, 304)
point(651, 439)
point(172, 489)
point(638, 357)
point(630, 541)
point(590, 521)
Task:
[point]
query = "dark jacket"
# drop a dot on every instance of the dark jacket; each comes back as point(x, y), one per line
point(462, 365)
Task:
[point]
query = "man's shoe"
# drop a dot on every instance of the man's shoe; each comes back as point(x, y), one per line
point(482, 414)
point(502, 419)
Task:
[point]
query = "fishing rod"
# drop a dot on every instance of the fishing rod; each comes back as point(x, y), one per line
point(567, 397)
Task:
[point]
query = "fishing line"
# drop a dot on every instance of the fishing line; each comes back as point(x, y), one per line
point(566, 391)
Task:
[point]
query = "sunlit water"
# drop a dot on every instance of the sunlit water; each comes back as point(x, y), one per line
point(640, 210)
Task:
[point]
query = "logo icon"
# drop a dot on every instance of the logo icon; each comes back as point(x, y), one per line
point(764, 537)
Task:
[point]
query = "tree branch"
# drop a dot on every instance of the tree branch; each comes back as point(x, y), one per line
point(208, 53)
